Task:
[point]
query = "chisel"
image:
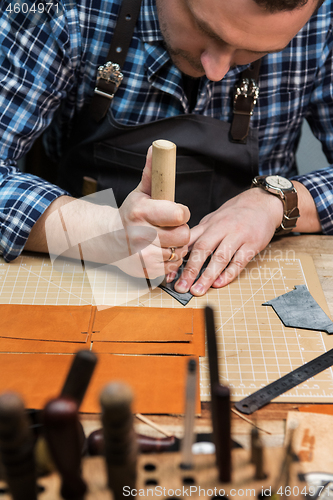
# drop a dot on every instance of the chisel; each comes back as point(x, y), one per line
point(163, 178)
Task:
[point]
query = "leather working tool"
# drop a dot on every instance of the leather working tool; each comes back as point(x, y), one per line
point(163, 174)
point(220, 403)
point(17, 448)
point(63, 435)
point(79, 375)
point(188, 436)
point(120, 445)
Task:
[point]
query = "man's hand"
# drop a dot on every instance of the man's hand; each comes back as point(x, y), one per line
point(141, 231)
point(169, 219)
point(233, 235)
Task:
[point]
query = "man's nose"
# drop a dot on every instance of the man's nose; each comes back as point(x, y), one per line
point(216, 62)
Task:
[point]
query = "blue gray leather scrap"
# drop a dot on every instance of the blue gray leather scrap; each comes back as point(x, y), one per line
point(183, 298)
point(298, 309)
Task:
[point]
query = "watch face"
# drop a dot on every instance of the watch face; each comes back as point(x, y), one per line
point(276, 181)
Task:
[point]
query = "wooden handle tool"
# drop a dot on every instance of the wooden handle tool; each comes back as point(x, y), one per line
point(17, 448)
point(223, 444)
point(120, 443)
point(188, 437)
point(146, 444)
point(79, 375)
point(257, 454)
point(62, 433)
point(214, 379)
point(163, 175)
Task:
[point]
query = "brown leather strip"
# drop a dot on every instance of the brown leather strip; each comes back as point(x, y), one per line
point(123, 33)
point(291, 213)
point(243, 107)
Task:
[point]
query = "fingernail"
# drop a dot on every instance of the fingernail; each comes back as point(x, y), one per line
point(198, 289)
point(181, 286)
point(218, 282)
point(170, 277)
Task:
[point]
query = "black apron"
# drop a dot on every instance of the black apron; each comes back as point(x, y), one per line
point(214, 162)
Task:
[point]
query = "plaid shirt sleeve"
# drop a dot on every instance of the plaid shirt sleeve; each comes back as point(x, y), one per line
point(24, 198)
point(320, 185)
point(36, 72)
point(320, 117)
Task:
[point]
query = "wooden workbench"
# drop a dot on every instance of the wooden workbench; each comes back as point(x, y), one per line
point(271, 418)
point(320, 248)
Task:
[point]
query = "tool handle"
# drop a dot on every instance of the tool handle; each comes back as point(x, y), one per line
point(222, 431)
point(120, 444)
point(17, 448)
point(188, 437)
point(62, 433)
point(147, 444)
point(79, 376)
point(163, 174)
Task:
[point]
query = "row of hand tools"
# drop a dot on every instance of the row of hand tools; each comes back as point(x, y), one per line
point(31, 440)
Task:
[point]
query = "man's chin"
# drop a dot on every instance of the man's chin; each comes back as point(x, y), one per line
point(193, 73)
point(187, 68)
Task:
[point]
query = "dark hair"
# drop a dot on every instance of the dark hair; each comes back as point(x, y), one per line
point(279, 5)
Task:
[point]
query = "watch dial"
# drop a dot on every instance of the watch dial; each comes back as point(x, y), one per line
point(278, 182)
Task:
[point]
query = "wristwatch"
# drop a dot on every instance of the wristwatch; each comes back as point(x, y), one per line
point(285, 190)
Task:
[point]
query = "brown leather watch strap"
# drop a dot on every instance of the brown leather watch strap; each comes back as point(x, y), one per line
point(291, 213)
point(245, 98)
point(289, 198)
point(105, 87)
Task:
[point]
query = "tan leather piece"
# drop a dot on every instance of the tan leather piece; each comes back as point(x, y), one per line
point(36, 377)
point(158, 382)
point(138, 338)
point(129, 324)
point(40, 346)
point(35, 322)
point(312, 443)
point(195, 347)
point(34, 368)
point(325, 409)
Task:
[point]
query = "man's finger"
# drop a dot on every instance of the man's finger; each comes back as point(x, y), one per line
point(165, 213)
point(219, 261)
point(196, 232)
point(236, 266)
point(145, 183)
point(193, 267)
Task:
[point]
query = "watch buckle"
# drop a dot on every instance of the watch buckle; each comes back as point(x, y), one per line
point(287, 216)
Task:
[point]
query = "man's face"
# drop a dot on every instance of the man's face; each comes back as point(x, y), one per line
point(207, 37)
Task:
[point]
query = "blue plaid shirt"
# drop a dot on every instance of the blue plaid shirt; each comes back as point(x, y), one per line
point(48, 63)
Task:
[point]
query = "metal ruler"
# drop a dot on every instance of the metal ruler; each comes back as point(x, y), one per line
point(260, 398)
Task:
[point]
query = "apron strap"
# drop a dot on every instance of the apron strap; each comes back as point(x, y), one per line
point(109, 75)
point(245, 98)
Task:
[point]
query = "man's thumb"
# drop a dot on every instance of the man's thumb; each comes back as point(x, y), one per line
point(145, 184)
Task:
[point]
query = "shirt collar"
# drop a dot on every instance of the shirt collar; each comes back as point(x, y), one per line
point(148, 23)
